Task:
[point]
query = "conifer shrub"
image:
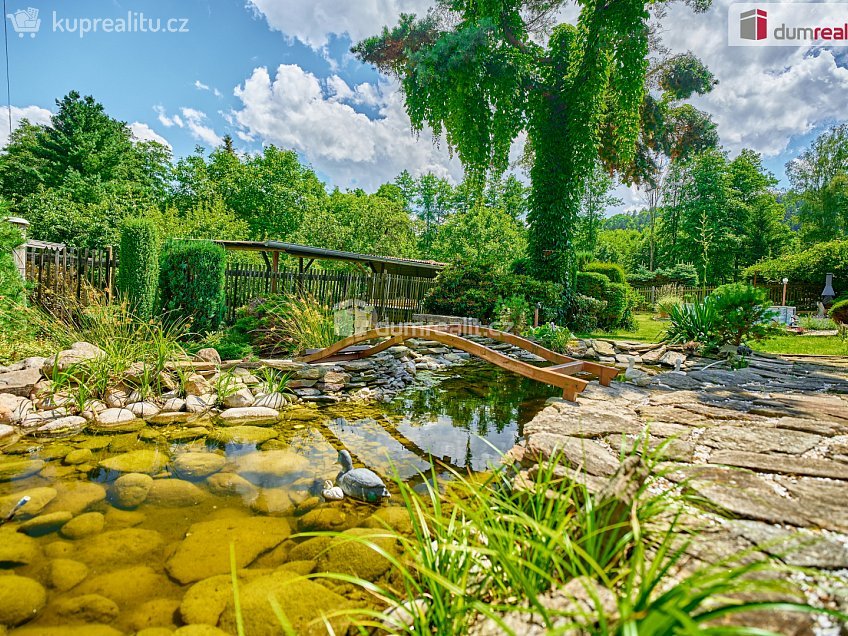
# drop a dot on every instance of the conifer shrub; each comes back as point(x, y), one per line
point(191, 283)
point(138, 274)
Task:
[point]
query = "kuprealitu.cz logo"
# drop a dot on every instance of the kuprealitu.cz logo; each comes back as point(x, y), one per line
point(788, 24)
point(28, 22)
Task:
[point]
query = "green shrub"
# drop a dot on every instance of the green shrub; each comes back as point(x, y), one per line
point(809, 266)
point(191, 283)
point(514, 314)
point(551, 337)
point(138, 274)
point(11, 284)
point(231, 344)
point(592, 284)
point(695, 322)
point(585, 313)
point(666, 302)
point(473, 290)
point(839, 312)
point(679, 274)
point(743, 313)
point(613, 271)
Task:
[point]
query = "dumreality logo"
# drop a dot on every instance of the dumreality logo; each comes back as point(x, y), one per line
point(753, 25)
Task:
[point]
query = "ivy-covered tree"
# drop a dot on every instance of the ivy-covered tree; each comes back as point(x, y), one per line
point(475, 71)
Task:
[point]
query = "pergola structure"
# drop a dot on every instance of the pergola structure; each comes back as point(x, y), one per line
point(307, 255)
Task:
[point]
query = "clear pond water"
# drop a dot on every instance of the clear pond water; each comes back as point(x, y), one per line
point(129, 567)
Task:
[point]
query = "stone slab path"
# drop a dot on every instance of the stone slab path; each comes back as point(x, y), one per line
point(766, 445)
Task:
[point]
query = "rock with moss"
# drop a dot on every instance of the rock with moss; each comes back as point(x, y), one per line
point(92, 629)
point(16, 549)
point(303, 603)
point(175, 493)
point(243, 435)
point(268, 467)
point(39, 497)
point(45, 523)
point(21, 599)
point(84, 525)
point(156, 612)
point(392, 517)
point(126, 586)
point(65, 574)
point(206, 600)
point(16, 468)
point(76, 496)
point(357, 552)
point(198, 466)
point(88, 608)
point(323, 519)
point(130, 490)
point(199, 630)
point(205, 551)
point(130, 545)
point(144, 461)
point(78, 456)
point(230, 484)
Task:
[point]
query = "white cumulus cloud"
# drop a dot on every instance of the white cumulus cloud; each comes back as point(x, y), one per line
point(313, 21)
point(33, 114)
point(143, 132)
point(295, 109)
point(192, 119)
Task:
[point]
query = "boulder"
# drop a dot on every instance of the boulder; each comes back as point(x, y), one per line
point(83, 525)
point(672, 358)
point(268, 466)
point(76, 496)
point(64, 360)
point(17, 406)
point(229, 484)
point(205, 551)
point(46, 523)
point(127, 585)
point(603, 348)
point(322, 519)
point(126, 546)
point(653, 356)
point(255, 415)
point(39, 497)
point(19, 383)
point(115, 416)
point(350, 553)
point(175, 493)
point(208, 355)
point(303, 603)
point(274, 401)
point(205, 601)
point(240, 399)
point(390, 517)
point(63, 426)
point(16, 549)
point(21, 598)
point(197, 466)
point(196, 384)
point(89, 608)
point(78, 456)
point(246, 435)
point(148, 462)
point(64, 574)
point(200, 403)
point(12, 468)
point(174, 404)
point(130, 490)
point(143, 409)
point(152, 614)
point(198, 630)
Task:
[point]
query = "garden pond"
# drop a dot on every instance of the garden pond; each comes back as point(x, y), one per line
point(133, 530)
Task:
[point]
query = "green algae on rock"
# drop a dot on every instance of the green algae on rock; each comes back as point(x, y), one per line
point(16, 549)
point(64, 574)
point(351, 553)
point(205, 551)
point(148, 462)
point(129, 545)
point(130, 490)
point(45, 523)
point(83, 525)
point(21, 598)
point(198, 466)
point(12, 469)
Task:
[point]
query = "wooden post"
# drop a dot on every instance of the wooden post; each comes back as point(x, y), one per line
point(275, 266)
point(109, 267)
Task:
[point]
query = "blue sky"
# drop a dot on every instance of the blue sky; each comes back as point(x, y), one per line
point(279, 71)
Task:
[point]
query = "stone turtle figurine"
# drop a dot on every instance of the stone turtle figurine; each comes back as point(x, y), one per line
point(360, 483)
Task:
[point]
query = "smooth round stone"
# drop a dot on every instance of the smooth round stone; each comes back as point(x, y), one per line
point(228, 484)
point(241, 435)
point(89, 608)
point(63, 426)
point(16, 548)
point(21, 598)
point(141, 461)
point(78, 456)
point(45, 524)
point(115, 416)
point(12, 469)
point(274, 401)
point(84, 525)
point(130, 490)
point(39, 497)
point(76, 496)
point(252, 415)
point(197, 466)
point(175, 493)
point(143, 409)
point(64, 574)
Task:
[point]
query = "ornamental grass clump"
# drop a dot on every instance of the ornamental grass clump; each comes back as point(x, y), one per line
point(488, 555)
point(288, 325)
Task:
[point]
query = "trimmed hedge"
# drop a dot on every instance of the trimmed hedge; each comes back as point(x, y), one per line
point(839, 312)
point(191, 283)
point(614, 314)
point(138, 274)
point(592, 284)
point(613, 271)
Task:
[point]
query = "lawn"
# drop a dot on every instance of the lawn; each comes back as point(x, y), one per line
point(650, 330)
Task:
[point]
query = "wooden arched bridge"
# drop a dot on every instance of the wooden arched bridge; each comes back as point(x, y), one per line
point(561, 374)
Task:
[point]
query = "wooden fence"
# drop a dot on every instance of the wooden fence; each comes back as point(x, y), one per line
point(803, 297)
point(394, 297)
point(57, 270)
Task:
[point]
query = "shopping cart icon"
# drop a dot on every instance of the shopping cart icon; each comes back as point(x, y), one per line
point(25, 21)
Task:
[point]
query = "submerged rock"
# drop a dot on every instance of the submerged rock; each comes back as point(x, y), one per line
point(12, 469)
point(175, 493)
point(64, 574)
point(205, 551)
point(197, 466)
point(76, 496)
point(46, 523)
point(226, 484)
point(206, 600)
point(130, 490)
point(241, 435)
point(118, 546)
point(92, 608)
point(266, 466)
point(21, 598)
point(127, 585)
point(78, 456)
point(84, 525)
point(38, 498)
point(62, 426)
point(148, 462)
point(350, 553)
point(303, 602)
point(16, 549)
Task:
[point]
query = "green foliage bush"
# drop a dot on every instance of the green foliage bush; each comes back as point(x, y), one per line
point(551, 337)
point(618, 312)
point(681, 274)
point(839, 312)
point(474, 290)
point(809, 266)
point(191, 283)
point(592, 284)
point(743, 313)
point(138, 275)
point(283, 324)
point(613, 271)
point(585, 313)
point(513, 314)
point(11, 284)
point(694, 322)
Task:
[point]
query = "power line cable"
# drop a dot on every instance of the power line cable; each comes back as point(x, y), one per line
point(8, 79)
